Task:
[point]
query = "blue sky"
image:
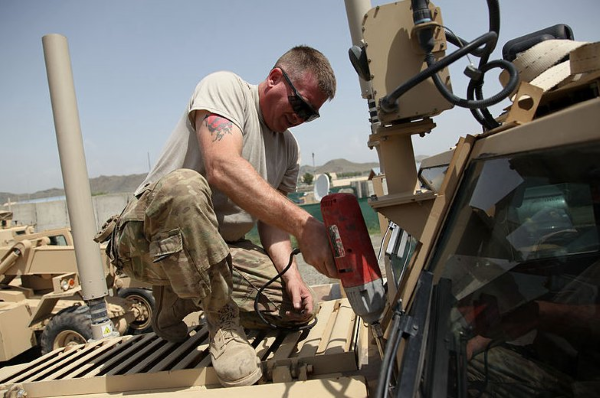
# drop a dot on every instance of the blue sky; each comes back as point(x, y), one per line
point(136, 62)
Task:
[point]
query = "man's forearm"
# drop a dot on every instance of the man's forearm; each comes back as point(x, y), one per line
point(239, 181)
point(279, 248)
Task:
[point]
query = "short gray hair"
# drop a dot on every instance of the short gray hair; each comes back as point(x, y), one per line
point(303, 58)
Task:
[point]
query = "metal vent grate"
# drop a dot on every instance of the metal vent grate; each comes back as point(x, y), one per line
point(124, 363)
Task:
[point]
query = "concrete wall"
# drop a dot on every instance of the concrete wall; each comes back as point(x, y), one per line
point(54, 214)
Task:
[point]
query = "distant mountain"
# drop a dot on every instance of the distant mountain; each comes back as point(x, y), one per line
point(116, 184)
point(339, 166)
point(99, 185)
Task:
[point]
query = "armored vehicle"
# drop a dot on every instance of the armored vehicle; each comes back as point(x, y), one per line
point(40, 296)
point(491, 250)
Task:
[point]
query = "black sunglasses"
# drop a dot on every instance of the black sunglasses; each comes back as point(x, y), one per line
point(300, 106)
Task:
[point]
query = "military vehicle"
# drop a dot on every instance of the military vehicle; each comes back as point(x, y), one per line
point(491, 250)
point(9, 231)
point(40, 296)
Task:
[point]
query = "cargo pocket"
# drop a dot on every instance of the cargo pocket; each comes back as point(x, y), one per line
point(188, 278)
point(165, 245)
point(134, 255)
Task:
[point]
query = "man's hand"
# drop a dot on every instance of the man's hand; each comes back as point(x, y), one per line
point(302, 300)
point(277, 244)
point(314, 245)
point(477, 345)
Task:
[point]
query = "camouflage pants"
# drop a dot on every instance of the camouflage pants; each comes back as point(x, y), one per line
point(505, 372)
point(169, 236)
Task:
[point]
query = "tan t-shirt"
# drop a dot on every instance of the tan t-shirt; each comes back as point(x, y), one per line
point(275, 156)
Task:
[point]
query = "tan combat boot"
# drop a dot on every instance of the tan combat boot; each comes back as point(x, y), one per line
point(167, 319)
point(233, 358)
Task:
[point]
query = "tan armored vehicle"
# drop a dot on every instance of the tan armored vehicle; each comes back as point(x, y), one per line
point(40, 296)
point(9, 232)
point(491, 250)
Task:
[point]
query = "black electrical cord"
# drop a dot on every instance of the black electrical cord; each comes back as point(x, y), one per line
point(272, 325)
point(476, 104)
point(388, 103)
point(475, 88)
point(483, 115)
point(390, 353)
point(460, 42)
point(486, 370)
point(475, 85)
point(475, 100)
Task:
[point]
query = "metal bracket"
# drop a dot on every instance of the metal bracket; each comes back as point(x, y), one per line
point(408, 326)
point(525, 104)
point(289, 370)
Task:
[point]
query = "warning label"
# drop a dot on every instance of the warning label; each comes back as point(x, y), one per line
point(106, 331)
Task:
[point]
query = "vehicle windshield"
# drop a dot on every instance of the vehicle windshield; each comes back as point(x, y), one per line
point(523, 266)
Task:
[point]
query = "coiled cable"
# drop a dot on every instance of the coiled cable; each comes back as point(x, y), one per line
point(481, 47)
point(279, 274)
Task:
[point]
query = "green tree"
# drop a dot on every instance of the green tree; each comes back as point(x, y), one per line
point(308, 178)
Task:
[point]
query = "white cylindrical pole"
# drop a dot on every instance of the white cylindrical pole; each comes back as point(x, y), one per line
point(76, 181)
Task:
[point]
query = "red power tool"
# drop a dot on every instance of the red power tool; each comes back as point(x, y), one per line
point(354, 256)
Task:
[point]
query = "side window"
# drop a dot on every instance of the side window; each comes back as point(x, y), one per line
point(522, 258)
point(399, 250)
point(58, 240)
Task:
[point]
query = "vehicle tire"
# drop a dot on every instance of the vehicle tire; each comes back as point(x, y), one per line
point(71, 326)
point(145, 298)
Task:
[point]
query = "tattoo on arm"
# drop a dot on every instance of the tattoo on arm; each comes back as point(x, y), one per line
point(217, 126)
